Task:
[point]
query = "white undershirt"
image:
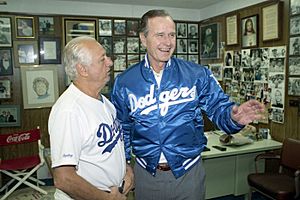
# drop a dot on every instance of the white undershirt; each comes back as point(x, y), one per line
point(158, 77)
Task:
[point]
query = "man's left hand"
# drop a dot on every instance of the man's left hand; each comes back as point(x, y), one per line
point(248, 112)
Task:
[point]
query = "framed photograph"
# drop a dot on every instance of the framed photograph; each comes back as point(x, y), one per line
point(132, 27)
point(181, 45)
point(193, 31)
point(50, 50)
point(294, 66)
point(294, 46)
point(133, 45)
point(295, 25)
point(119, 45)
point(294, 7)
point(6, 62)
point(26, 53)
point(193, 46)
point(25, 27)
point(119, 27)
point(105, 27)
point(5, 32)
point(294, 86)
point(132, 59)
point(10, 115)
point(216, 69)
point(46, 25)
point(249, 31)
point(5, 89)
point(77, 27)
point(232, 30)
point(271, 21)
point(209, 41)
point(181, 30)
point(119, 62)
point(106, 42)
point(39, 85)
point(194, 58)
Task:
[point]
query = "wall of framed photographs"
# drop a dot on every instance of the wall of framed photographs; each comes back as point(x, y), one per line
point(257, 59)
point(294, 50)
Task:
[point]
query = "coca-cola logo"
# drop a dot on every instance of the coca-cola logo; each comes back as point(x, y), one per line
point(18, 138)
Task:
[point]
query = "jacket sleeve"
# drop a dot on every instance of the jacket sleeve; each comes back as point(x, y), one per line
point(118, 99)
point(216, 104)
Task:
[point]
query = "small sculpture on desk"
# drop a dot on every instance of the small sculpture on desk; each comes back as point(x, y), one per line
point(245, 136)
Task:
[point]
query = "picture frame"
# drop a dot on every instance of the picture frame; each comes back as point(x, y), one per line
point(295, 25)
point(133, 45)
point(271, 21)
point(132, 27)
point(294, 7)
point(50, 50)
point(193, 31)
point(106, 42)
point(39, 85)
point(26, 53)
point(119, 45)
point(294, 86)
point(182, 46)
point(6, 32)
point(6, 62)
point(217, 71)
point(5, 89)
point(75, 27)
point(294, 66)
point(294, 43)
point(25, 27)
point(10, 115)
point(194, 58)
point(249, 34)
point(46, 25)
point(193, 46)
point(209, 41)
point(181, 30)
point(119, 27)
point(232, 30)
point(105, 27)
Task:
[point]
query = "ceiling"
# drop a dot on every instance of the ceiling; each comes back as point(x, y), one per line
point(189, 4)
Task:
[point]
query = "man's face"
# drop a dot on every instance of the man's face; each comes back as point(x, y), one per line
point(99, 71)
point(160, 41)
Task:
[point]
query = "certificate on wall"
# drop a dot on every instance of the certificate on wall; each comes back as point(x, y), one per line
point(270, 20)
point(231, 30)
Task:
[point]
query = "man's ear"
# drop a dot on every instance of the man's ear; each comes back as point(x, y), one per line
point(143, 39)
point(81, 70)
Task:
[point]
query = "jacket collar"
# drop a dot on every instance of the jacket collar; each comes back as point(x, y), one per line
point(147, 62)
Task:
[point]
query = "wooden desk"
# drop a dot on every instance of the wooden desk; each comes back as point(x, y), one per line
point(227, 171)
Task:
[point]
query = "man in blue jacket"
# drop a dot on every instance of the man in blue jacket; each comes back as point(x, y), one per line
point(159, 103)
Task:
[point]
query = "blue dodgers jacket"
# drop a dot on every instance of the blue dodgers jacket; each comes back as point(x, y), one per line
point(168, 118)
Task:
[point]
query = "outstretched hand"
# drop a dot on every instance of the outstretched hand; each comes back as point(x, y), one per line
point(248, 112)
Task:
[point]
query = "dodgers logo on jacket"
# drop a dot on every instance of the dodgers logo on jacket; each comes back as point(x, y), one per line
point(167, 98)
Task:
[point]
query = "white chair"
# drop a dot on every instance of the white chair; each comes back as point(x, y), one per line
point(22, 168)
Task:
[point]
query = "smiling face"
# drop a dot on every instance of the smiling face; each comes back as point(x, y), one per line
point(160, 41)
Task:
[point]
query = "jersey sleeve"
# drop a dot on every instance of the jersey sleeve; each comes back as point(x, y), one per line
point(66, 139)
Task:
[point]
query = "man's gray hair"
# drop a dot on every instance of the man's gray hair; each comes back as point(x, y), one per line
point(75, 52)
